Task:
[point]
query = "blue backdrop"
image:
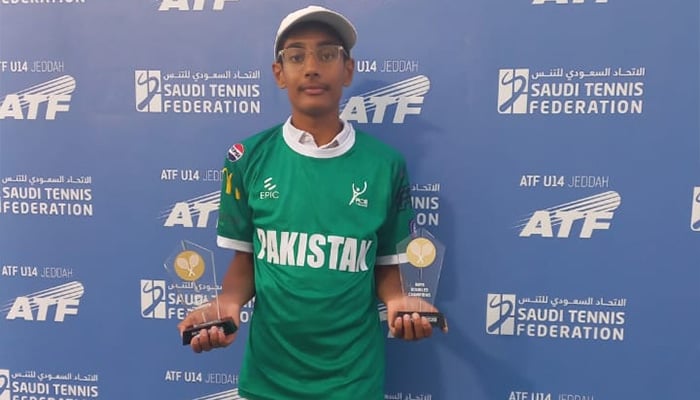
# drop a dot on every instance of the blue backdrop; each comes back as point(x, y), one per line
point(553, 146)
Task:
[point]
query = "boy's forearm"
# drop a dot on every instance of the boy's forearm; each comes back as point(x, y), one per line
point(388, 282)
point(239, 281)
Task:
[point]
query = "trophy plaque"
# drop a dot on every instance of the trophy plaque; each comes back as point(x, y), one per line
point(420, 265)
point(193, 278)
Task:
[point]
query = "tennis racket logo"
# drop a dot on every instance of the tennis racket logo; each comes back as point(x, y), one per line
point(189, 265)
point(421, 252)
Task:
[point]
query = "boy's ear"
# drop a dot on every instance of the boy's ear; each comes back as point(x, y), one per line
point(279, 77)
point(349, 71)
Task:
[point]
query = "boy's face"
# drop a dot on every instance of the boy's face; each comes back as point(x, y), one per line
point(314, 88)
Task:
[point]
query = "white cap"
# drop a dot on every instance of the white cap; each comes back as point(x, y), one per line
point(338, 22)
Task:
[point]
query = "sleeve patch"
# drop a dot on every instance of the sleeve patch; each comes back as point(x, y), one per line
point(235, 153)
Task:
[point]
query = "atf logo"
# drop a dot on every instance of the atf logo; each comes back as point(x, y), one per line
point(42, 101)
point(193, 5)
point(4, 384)
point(538, 2)
point(193, 212)
point(512, 90)
point(404, 98)
point(229, 394)
point(595, 212)
point(63, 300)
point(695, 211)
point(500, 314)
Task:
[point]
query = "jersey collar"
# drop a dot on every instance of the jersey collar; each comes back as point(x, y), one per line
point(303, 142)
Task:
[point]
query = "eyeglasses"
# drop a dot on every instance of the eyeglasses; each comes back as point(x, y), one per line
point(325, 54)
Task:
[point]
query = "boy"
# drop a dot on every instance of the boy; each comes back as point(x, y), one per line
point(314, 211)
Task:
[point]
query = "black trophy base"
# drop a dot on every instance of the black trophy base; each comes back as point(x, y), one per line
point(226, 324)
point(435, 318)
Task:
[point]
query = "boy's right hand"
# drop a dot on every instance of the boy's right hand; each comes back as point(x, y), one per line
point(214, 337)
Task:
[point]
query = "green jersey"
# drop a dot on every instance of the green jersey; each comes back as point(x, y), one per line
point(317, 222)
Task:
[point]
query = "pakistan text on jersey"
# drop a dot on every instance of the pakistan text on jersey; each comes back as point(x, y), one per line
point(299, 249)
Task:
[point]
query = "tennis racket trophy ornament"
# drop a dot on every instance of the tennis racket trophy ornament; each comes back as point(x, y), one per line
point(193, 278)
point(420, 265)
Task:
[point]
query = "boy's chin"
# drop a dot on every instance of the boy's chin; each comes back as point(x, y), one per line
point(316, 110)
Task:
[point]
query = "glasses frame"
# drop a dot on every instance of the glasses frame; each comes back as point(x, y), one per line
point(341, 48)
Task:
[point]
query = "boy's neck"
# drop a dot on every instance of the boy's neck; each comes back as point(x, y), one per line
point(323, 128)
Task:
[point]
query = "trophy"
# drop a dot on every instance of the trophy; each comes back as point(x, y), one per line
point(420, 272)
point(193, 277)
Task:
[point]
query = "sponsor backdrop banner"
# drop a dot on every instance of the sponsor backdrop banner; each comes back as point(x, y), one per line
point(553, 146)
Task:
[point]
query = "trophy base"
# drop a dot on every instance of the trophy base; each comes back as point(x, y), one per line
point(435, 318)
point(226, 324)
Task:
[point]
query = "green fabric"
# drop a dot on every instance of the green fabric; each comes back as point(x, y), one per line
point(315, 331)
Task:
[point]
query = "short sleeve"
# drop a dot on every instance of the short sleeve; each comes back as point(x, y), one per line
point(396, 228)
point(234, 226)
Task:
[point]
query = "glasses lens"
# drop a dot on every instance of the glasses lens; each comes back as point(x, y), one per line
point(327, 54)
point(324, 54)
point(294, 55)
